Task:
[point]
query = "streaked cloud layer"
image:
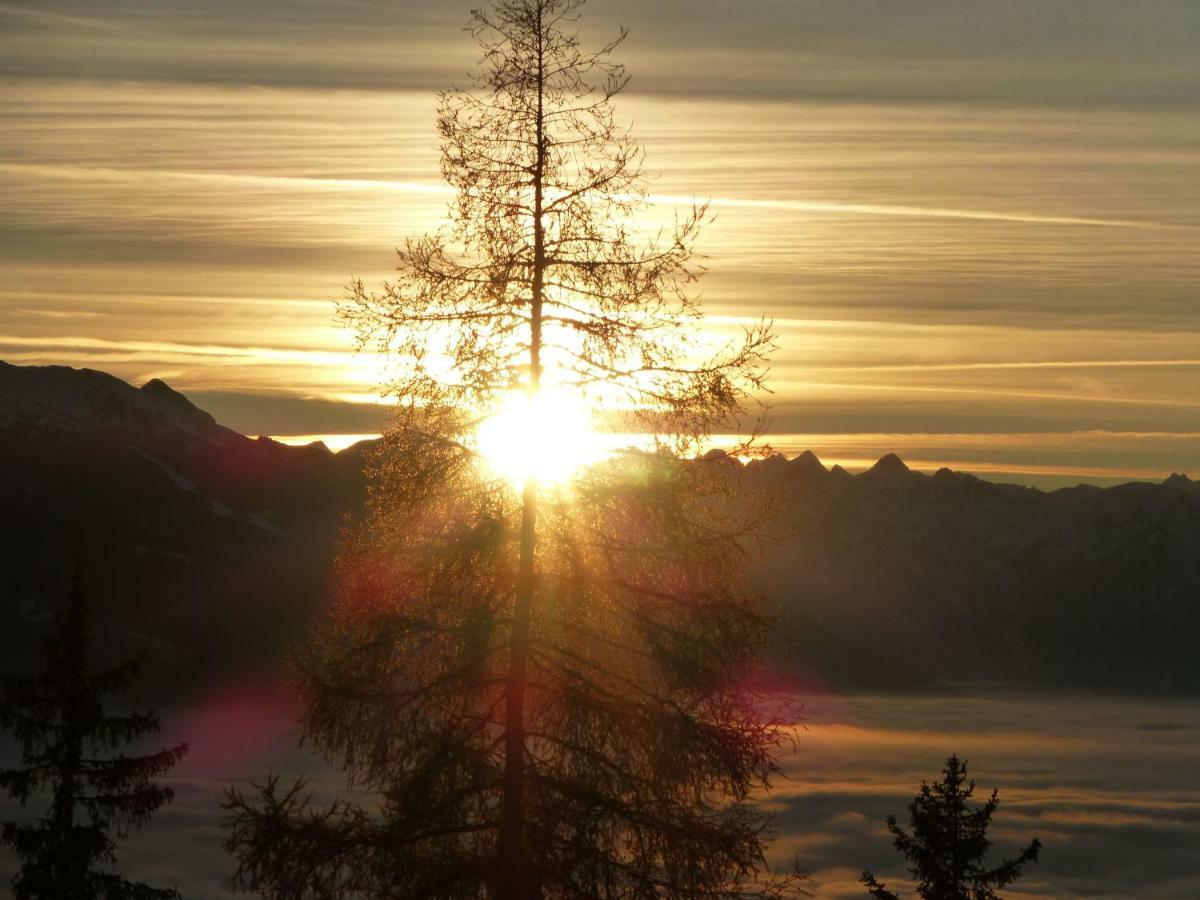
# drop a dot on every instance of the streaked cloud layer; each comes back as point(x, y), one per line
point(967, 218)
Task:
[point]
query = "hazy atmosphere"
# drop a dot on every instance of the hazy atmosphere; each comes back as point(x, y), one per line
point(597, 450)
point(976, 225)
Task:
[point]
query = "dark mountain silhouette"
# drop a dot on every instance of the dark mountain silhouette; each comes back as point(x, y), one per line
point(210, 550)
point(204, 548)
point(894, 575)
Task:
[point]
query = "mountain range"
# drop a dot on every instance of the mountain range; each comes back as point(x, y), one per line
point(210, 551)
point(206, 549)
point(915, 577)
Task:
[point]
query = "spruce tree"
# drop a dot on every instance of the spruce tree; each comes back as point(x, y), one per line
point(67, 744)
point(550, 688)
point(947, 843)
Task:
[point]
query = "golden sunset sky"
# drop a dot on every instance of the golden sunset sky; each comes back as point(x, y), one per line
point(976, 224)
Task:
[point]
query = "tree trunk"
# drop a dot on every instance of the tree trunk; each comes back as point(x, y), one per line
point(514, 870)
point(514, 875)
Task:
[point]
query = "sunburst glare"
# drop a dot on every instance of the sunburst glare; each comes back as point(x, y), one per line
point(547, 435)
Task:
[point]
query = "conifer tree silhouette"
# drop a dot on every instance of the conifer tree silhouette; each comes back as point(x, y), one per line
point(66, 741)
point(947, 843)
point(550, 688)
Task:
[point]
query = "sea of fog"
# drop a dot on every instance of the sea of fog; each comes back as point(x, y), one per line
point(1110, 785)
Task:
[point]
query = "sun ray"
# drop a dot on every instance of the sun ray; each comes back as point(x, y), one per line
point(547, 435)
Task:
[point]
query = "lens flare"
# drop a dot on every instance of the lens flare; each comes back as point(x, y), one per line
point(546, 435)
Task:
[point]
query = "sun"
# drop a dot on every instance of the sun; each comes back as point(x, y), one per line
point(546, 436)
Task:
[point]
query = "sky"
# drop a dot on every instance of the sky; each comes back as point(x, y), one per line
point(976, 224)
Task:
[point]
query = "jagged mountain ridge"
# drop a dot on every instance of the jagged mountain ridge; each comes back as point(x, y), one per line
point(211, 550)
point(951, 576)
point(203, 547)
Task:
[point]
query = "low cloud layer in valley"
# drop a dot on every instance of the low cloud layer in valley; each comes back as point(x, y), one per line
point(1109, 784)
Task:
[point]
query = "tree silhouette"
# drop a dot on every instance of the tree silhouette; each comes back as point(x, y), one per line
point(948, 843)
point(59, 722)
point(551, 689)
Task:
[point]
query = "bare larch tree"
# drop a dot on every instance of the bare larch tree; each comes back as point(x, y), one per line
point(553, 691)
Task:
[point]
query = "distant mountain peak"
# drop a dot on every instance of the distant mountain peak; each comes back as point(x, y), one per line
point(889, 465)
point(156, 387)
point(167, 398)
point(808, 463)
point(64, 397)
point(1181, 482)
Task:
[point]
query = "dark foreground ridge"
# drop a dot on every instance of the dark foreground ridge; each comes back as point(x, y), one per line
point(211, 551)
